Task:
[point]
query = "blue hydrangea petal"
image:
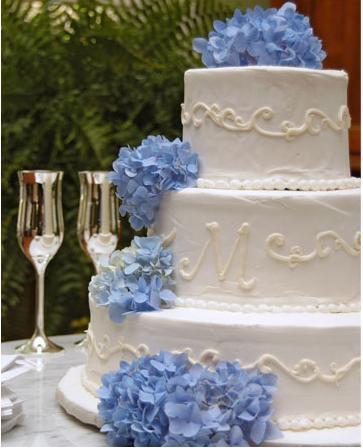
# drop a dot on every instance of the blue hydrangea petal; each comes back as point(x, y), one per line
point(116, 312)
point(236, 437)
point(272, 432)
point(177, 410)
point(258, 431)
point(200, 44)
point(146, 397)
point(219, 25)
point(131, 268)
point(262, 37)
point(167, 295)
point(184, 428)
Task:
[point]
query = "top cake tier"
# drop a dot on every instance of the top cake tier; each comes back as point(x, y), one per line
point(280, 126)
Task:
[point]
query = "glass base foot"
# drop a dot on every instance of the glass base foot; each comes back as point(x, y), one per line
point(38, 344)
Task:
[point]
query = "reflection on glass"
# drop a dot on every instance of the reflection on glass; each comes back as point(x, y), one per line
point(40, 231)
point(98, 225)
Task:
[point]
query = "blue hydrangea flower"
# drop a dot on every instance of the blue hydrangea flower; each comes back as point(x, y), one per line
point(145, 257)
point(139, 278)
point(164, 400)
point(108, 282)
point(142, 174)
point(132, 399)
point(262, 37)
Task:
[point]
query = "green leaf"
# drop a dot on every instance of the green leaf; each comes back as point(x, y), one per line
point(80, 79)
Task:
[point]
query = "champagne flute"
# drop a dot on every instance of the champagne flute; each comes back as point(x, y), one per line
point(98, 224)
point(40, 231)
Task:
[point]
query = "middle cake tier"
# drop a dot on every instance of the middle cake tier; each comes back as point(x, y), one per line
point(264, 250)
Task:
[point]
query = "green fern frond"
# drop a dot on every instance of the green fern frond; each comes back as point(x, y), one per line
point(80, 79)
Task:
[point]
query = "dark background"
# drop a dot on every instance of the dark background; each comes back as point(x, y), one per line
point(82, 78)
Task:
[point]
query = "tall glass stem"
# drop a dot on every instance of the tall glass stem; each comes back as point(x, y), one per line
point(39, 303)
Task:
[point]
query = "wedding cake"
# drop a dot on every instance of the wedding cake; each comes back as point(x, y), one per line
point(265, 244)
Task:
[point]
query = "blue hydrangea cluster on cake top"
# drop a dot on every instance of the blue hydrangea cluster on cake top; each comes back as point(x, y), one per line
point(138, 278)
point(262, 37)
point(142, 174)
point(165, 400)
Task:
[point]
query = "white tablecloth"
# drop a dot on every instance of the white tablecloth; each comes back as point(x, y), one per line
point(45, 423)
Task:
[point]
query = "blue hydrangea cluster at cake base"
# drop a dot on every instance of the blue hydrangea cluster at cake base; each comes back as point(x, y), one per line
point(279, 37)
point(142, 174)
point(138, 278)
point(165, 400)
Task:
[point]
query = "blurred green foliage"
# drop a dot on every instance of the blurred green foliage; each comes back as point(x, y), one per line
point(81, 78)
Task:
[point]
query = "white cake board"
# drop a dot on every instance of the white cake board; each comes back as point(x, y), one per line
point(80, 403)
point(75, 399)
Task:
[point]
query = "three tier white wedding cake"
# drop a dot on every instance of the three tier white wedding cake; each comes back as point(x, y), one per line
point(266, 246)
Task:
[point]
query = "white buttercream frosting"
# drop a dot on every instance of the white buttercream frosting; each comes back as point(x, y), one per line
point(316, 356)
point(262, 123)
point(265, 250)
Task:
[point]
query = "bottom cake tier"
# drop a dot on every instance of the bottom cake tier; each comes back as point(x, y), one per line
point(315, 356)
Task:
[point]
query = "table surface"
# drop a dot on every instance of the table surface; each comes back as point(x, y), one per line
point(45, 422)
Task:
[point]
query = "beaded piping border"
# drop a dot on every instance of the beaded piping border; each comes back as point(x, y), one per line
point(301, 423)
point(280, 184)
point(351, 307)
